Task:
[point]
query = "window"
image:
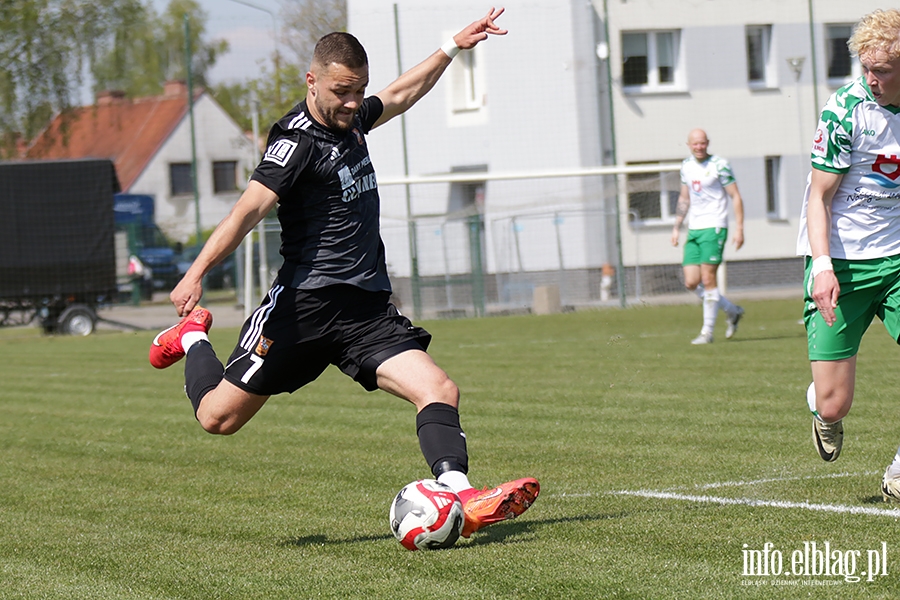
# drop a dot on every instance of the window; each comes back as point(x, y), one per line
point(650, 60)
point(181, 179)
point(653, 196)
point(841, 66)
point(224, 176)
point(773, 195)
point(760, 72)
point(467, 81)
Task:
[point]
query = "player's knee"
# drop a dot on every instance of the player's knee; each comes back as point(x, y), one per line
point(218, 425)
point(833, 413)
point(833, 405)
point(445, 391)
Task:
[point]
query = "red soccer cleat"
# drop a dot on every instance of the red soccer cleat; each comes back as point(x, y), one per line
point(507, 501)
point(166, 349)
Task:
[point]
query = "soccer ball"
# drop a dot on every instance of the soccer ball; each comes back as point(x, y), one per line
point(427, 514)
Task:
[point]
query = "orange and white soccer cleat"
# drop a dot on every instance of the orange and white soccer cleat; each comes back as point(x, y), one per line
point(491, 505)
point(166, 349)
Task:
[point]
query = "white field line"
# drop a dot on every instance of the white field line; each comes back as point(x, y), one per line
point(707, 486)
point(722, 484)
point(834, 508)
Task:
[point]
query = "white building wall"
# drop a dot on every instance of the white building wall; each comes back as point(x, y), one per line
point(744, 125)
point(539, 114)
point(547, 104)
point(218, 138)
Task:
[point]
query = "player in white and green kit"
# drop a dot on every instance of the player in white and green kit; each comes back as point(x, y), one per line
point(850, 230)
point(706, 184)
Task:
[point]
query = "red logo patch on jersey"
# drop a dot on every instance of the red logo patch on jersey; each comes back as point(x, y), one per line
point(359, 138)
point(696, 186)
point(818, 148)
point(889, 166)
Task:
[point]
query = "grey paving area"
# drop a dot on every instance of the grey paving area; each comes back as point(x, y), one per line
point(157, 316)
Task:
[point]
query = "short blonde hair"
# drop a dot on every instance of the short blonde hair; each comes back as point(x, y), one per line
point(878, 30)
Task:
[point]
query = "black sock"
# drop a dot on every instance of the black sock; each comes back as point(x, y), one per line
point(441, 439)
point(202, 372)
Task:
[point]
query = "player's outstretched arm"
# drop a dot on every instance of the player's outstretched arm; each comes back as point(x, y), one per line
point(254, 204)
point(826, 289)
point(407, 89)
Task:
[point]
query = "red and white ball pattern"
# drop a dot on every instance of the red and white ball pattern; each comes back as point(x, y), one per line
point(427, 514)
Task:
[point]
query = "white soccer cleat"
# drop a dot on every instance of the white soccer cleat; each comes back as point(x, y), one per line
point(732, 322)
point(890, 487)
point(828, 438)
point(703, 338)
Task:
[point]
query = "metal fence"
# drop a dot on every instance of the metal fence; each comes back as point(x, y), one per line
point(524, 239)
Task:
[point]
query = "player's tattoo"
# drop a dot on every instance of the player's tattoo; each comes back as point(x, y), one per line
point(681, 208)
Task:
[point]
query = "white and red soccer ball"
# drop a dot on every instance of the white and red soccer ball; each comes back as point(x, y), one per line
point(426, 515)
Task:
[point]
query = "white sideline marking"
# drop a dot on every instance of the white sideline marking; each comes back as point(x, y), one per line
point(835, 508)
point(707, 486)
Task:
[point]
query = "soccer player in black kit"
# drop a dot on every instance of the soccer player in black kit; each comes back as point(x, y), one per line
point(330, 303)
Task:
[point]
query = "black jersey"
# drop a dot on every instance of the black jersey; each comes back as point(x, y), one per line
point(328, 201)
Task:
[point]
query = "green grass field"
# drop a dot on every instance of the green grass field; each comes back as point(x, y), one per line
point(661, 464)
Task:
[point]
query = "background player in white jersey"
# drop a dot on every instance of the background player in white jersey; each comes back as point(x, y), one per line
point(850, 230)
point(706, 184)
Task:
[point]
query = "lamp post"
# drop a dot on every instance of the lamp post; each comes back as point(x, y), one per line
point(261, 227)
point(796, 65)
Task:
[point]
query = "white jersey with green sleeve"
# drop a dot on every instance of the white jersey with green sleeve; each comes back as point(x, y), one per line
point(706, 183)
point(859, 139)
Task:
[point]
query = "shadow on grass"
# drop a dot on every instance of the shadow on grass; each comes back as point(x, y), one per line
point(767, 338)
point(324, 540)
point(505, 532)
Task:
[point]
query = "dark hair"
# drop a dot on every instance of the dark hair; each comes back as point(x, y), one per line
point(341, 48)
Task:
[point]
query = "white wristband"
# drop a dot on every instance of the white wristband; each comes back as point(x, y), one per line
point(821, 263)
point(450, 48)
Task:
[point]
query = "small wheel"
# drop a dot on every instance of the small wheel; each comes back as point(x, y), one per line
point(77, 320)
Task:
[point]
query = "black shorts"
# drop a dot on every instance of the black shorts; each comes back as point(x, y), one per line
point(295, 334)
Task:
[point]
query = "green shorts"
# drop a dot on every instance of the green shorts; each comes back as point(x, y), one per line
point(705, 246)
point(868, 288)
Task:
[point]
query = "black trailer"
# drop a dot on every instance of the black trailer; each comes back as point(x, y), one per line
point(57, 249)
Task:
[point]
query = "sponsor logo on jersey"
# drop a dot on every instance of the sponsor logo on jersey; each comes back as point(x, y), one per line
point(868, 132)
point(363, 184)
point(346, 177)
point(280, 152)
point(354, 187)
point(818, 143)
point(262, 348)
point(885, 171)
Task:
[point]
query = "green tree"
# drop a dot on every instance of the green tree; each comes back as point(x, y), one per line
point(276, 95)
point(281, 86)
point(305, 21)
point(150, 49)
point(45, 46)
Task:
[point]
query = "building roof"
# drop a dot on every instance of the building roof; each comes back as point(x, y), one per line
point(127, 131)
